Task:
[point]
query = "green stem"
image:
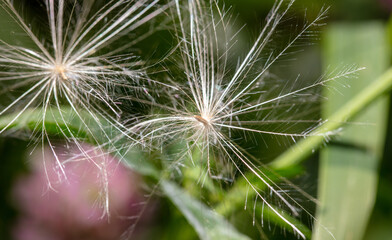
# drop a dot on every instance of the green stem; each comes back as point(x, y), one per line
point(54, 123)
point(304, 148)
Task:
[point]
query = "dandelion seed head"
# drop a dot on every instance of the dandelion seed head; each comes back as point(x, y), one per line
point(60, 72)
point(218, 102)
point(71, 69)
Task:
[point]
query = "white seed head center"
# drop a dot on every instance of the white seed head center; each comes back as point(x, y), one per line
point(60, 71)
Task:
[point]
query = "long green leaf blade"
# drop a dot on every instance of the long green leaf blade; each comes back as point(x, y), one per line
point(348, 168)
point(208, 224)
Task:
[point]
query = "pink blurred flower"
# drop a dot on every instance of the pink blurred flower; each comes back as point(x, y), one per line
point(77, 207)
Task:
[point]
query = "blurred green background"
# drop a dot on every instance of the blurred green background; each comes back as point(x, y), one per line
point(361, 23)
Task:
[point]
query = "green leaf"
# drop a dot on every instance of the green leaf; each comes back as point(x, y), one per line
point(208, 224)
point(55, 123)
point(348, 168)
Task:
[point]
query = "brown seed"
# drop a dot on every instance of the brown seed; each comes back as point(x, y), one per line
point(201, 119)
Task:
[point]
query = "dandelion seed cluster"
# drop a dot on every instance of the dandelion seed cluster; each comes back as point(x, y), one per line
point(71, 69)
point(205, 101)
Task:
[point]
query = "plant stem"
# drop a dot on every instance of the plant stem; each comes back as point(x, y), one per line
point(304, 148)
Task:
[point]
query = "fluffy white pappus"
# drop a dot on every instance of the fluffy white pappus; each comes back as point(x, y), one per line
point(67, 69)
point(212, 103)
